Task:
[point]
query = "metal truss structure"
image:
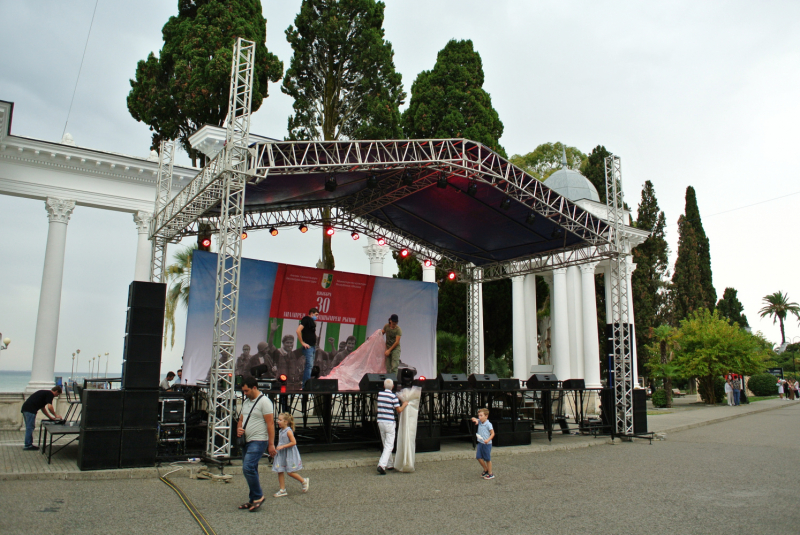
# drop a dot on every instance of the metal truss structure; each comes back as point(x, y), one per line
point(621, 338)
point(475, 323)
point(166, 158)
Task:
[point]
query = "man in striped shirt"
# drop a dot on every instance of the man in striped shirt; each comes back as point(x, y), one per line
point(388, 404)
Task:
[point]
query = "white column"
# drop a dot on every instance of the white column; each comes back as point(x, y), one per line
point(144, 247)
point(519, 336)
point(46, 338)
point(631, 269)
point(531, 323)
point(560, 335)
point(376, 254)
point(575, 318)
point(428, 272)
point(591, 345)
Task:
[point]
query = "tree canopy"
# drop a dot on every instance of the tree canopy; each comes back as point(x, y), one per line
point(449, 101)
point(594, 168)
point(692, 213)
point(545, 159)
point(187, 85)
point(730, 307)
point(687, 289)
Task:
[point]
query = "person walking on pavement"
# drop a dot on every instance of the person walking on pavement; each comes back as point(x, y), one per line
point(259, 432)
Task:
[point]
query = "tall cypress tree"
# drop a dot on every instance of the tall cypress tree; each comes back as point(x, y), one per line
point(730, 307)
point(187, 85)
point(687, 285)
point(692, 213)
point(594, 168)
point(342, 77)
point(651, 258)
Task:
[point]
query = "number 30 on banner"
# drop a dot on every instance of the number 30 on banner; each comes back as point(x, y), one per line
point(323, 304)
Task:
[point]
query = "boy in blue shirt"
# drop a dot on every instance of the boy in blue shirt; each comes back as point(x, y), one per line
point(485, 435)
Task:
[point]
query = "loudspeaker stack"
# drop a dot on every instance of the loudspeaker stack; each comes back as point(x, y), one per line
point(101, 420)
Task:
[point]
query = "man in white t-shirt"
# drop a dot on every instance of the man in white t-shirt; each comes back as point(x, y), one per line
point(257, 424)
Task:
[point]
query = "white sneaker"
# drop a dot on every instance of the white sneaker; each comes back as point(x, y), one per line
point(306, 482)
point(281, 493)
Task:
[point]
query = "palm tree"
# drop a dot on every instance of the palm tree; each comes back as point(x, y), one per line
point(179, 274)
point(778, 306)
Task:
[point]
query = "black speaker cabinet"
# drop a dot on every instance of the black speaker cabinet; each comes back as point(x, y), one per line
point(147, 294)
point(428, 437)
point(101, 409)
point(322, 385)
point(138, 448)
point(141, 320)
point(426, 385)
point(509, 384)
point(453, 381)
point(140, 409)
point(573, 384)
point(142, 347)
point(542, 380)
point(484, 381)
point(639, 410)
point(173, 411)
point(373, 382)
point(504, 436)
point(607, 407)
point(140, 375)
point(99, 449)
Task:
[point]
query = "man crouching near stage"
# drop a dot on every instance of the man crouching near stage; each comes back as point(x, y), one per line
point(307, 334)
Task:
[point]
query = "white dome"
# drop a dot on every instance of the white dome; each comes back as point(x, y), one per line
point(571, 184)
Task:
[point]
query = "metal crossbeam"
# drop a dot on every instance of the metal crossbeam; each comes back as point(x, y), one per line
point(231, 184)
point(621, 332)
point(158, 257)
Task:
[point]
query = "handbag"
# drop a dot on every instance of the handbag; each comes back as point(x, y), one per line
point(240, 440)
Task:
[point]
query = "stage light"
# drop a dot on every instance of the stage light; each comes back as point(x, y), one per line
point(441, 182)
point(273, 231)
point(372, 181)
point(330, 231)
point(472, 189)
point(421, 377)
point(556, 234)
point(205, 243)
point(451, 275)
point(408, 178)
point(405, 376)
point(244, 235)
point(506, 204)
point(428, 262)
point(303, 228)
point(330, 183)
point(354, 235)
point(404, 253)
point(531, 218)
point(381, 241)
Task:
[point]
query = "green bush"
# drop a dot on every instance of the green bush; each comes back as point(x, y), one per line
point(719, 391)
point(659, 398)
point(763, 384)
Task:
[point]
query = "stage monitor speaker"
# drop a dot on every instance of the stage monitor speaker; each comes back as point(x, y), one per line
point(639, 410)
point(542, 380)
point(99, 449)
point(147, 294)
point(142, 348)
point(141, 320)
point(140, 375)
point(323, 385)
point(101, 409)
point(453, 381)
point(373, 382)
point(138, 448)
point(573, 384)
point(173, 411)
point(484, 381)
point(426, 385)
point(139, 409)
point(509, 384)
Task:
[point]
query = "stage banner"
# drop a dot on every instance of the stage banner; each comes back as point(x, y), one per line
point(273, 298)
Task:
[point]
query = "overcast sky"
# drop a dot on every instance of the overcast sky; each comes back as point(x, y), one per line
point(686, 93)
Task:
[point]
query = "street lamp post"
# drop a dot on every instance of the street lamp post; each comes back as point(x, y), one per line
point(72, 373)
point(6, 341)
point(106, 365)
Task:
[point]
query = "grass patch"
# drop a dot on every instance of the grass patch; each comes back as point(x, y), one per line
point(761, 398)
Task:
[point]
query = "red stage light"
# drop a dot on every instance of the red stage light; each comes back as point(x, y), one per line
point(329, 231)
point(282, 377)
point(244, 235)
point(404, 253)
point(303, 229)
point(428, 262)
point(421, 377)
point(381, 241)
point(354, 235)
point(451, 275)
point(206, 242)
point(273, 231)
point(283, 390)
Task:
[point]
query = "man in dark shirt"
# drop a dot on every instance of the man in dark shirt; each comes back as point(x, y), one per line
point(41, 400)
point(307, 334)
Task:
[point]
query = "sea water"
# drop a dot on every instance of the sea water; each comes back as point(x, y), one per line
point(16, 381)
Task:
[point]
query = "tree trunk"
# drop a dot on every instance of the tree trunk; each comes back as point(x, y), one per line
point(783, 335)
point(327, 251)
point(707, 385)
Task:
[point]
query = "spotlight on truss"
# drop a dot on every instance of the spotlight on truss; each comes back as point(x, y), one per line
point(451, 276)
point(354, 235)
point(408, 178)
point(303, 228)
point(441, 182)
point(273, 231)
point(330, 183)
point(472, 189)
point(244, 235)
point(330, 231)
point(428, 262)
point(381, 241)
point(372, 181)
point(404, 253)
point(531, 218)
point(506, 204)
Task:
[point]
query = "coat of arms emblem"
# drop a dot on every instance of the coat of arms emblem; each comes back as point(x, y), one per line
point(327, 280)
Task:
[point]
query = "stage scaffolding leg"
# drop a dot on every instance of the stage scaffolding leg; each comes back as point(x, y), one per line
point(229, 257)
point(158, 257)
point(621, 335)
point(475, 323)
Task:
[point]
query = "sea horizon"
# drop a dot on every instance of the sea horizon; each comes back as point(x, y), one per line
point(15, 381)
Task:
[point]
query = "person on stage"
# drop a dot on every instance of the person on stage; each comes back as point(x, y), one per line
point(178, 380)
point(41, 400)
point(307, 334)
point(393, 333)
point(388, 404)
point(259, 432)
point(165, 386)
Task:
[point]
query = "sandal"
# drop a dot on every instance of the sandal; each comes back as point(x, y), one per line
point(256, 505)
point(247, 505)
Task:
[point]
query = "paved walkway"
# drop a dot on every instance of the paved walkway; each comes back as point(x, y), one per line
point(16, 464)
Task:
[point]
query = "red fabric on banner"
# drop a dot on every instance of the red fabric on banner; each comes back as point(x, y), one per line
point(368, 358)
point(340, 297)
